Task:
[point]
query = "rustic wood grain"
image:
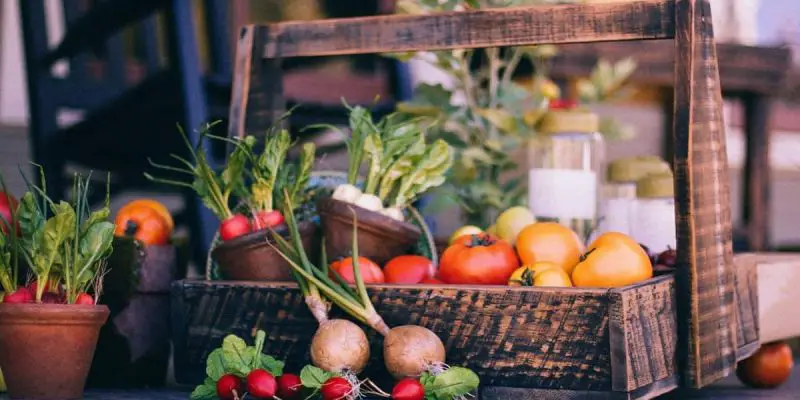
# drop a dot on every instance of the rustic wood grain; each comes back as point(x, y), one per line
point(707, 314)
point(756, 210)
point(643, 335)
point(643, 19)
point(747, 304)
point(257, 100)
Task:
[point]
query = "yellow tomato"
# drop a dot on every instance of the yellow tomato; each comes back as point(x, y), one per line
point(612, 260)
point(540, 274)
point(549, 242)
point(464, 230)
point(512, 221)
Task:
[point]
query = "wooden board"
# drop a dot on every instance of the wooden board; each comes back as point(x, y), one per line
point(777, 294)
point(549, 338)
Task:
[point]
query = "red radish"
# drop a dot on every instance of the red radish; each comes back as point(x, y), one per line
point(336, 388)
point(261, 384)
point(7, 203)
point(235, 226)
point(289, 387)
point(84, 299)
point(51, 286)
point(52, 298)
point(408, 389)
point(432, 281)
point(229, 387)
point(267, 219)
point(21, 296)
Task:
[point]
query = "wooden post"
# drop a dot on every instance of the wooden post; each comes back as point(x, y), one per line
point(757, 171)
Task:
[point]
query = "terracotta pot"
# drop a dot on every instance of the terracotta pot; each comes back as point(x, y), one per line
point(46, 349)
point(380, 238)
point(251, 258)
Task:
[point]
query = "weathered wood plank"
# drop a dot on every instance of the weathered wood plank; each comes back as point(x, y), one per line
point(531, 337)
point(641, 19)
point(747, 304)
point(706, 280)
point(257, 100)
point(643, 334)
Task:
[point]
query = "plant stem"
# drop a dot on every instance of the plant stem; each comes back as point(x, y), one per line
point(511, 66)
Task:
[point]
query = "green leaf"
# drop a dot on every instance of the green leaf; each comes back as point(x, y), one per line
point(206, 391)
point(271, 365)
point(259, 346)
point(313, 377)
point(502, 119)
point(236, 357)
point(215, 364)
point(94, 245)
point(94, 218)
point(56, 231)
point(454, 382)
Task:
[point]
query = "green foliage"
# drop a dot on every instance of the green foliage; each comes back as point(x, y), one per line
point(497, 115)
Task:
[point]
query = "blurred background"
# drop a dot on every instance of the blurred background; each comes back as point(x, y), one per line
point(172, 63)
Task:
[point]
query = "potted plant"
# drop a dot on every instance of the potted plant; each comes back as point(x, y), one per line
point(400, 166)
point(258, 180)
point(49, 328)
point(487, 115)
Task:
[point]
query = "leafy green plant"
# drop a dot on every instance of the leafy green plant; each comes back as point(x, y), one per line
point(487, 115)
point(61, 242)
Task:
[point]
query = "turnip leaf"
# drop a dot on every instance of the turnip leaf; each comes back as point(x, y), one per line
point(206, 391)
point(215, 365)
point(313, 377)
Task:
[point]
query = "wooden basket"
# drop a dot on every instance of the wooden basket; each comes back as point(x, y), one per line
point(632, 342)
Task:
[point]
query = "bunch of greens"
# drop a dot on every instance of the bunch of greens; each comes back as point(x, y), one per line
point(271, 173)
point(399, 164)
point(237, 358)
point(60, 242)
point(214, 188)
point(486, 116)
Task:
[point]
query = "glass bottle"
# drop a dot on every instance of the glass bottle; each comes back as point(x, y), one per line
point(654, 222)
point(619, 193)
point(564, 162)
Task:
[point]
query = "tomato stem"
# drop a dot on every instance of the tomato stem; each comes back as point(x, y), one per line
point(130, 228)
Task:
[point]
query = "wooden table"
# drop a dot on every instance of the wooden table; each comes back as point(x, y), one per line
point(753, 75)
point(729, 388)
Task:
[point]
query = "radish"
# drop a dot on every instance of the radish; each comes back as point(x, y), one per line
point(336, 388)
point(229, 387)
point(394, 213)
point(369, 202)
point(261, 384)
point(267, 219)
point(408, 389)
point(84, 299)
point(289, 387)
point(235, 226)
point(21, 296)
point(52, 298)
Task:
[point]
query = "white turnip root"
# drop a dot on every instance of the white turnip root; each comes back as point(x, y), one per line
point(394, 213)
point(410, 350)
point(347, 193)
point(340, 346)
point(369, 202)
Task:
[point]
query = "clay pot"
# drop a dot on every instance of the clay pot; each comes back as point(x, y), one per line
point(46, 349)
point(380, 238)
point(251, 258)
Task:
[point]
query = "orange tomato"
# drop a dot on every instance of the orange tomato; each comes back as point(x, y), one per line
point(155, 205)
point(612, 260)
point(769, 367)
point(549, 242)
point(480, 259)
point(143, 224)
point(370, 272)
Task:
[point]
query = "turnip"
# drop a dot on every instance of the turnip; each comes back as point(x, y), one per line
point(342, 347)
point(261, 384)
point(394, 213)
point(289, 387)
point(369, 202)
point(347, 193)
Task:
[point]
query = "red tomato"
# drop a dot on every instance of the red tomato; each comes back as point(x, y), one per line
point(7, 203)
point(370, 272)
point(235, 226)
point(478, 259)
point(408, 269)
point(267, 219)
point(432, 281)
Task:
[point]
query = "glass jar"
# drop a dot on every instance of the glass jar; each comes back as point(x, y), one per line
point(564, 161)
point(619, 193)
point(654, 222)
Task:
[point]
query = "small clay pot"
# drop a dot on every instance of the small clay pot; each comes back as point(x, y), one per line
point(46, 349)
point(380, 238)
point(251, 258)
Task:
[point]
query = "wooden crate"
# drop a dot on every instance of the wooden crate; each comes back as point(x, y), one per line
point(605, 340)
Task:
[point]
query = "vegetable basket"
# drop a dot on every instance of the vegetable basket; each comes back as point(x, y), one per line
point(639, 341)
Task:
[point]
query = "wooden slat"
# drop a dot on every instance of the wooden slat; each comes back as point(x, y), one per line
point(747, 304)
point(631, 20)
point(706, 312)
